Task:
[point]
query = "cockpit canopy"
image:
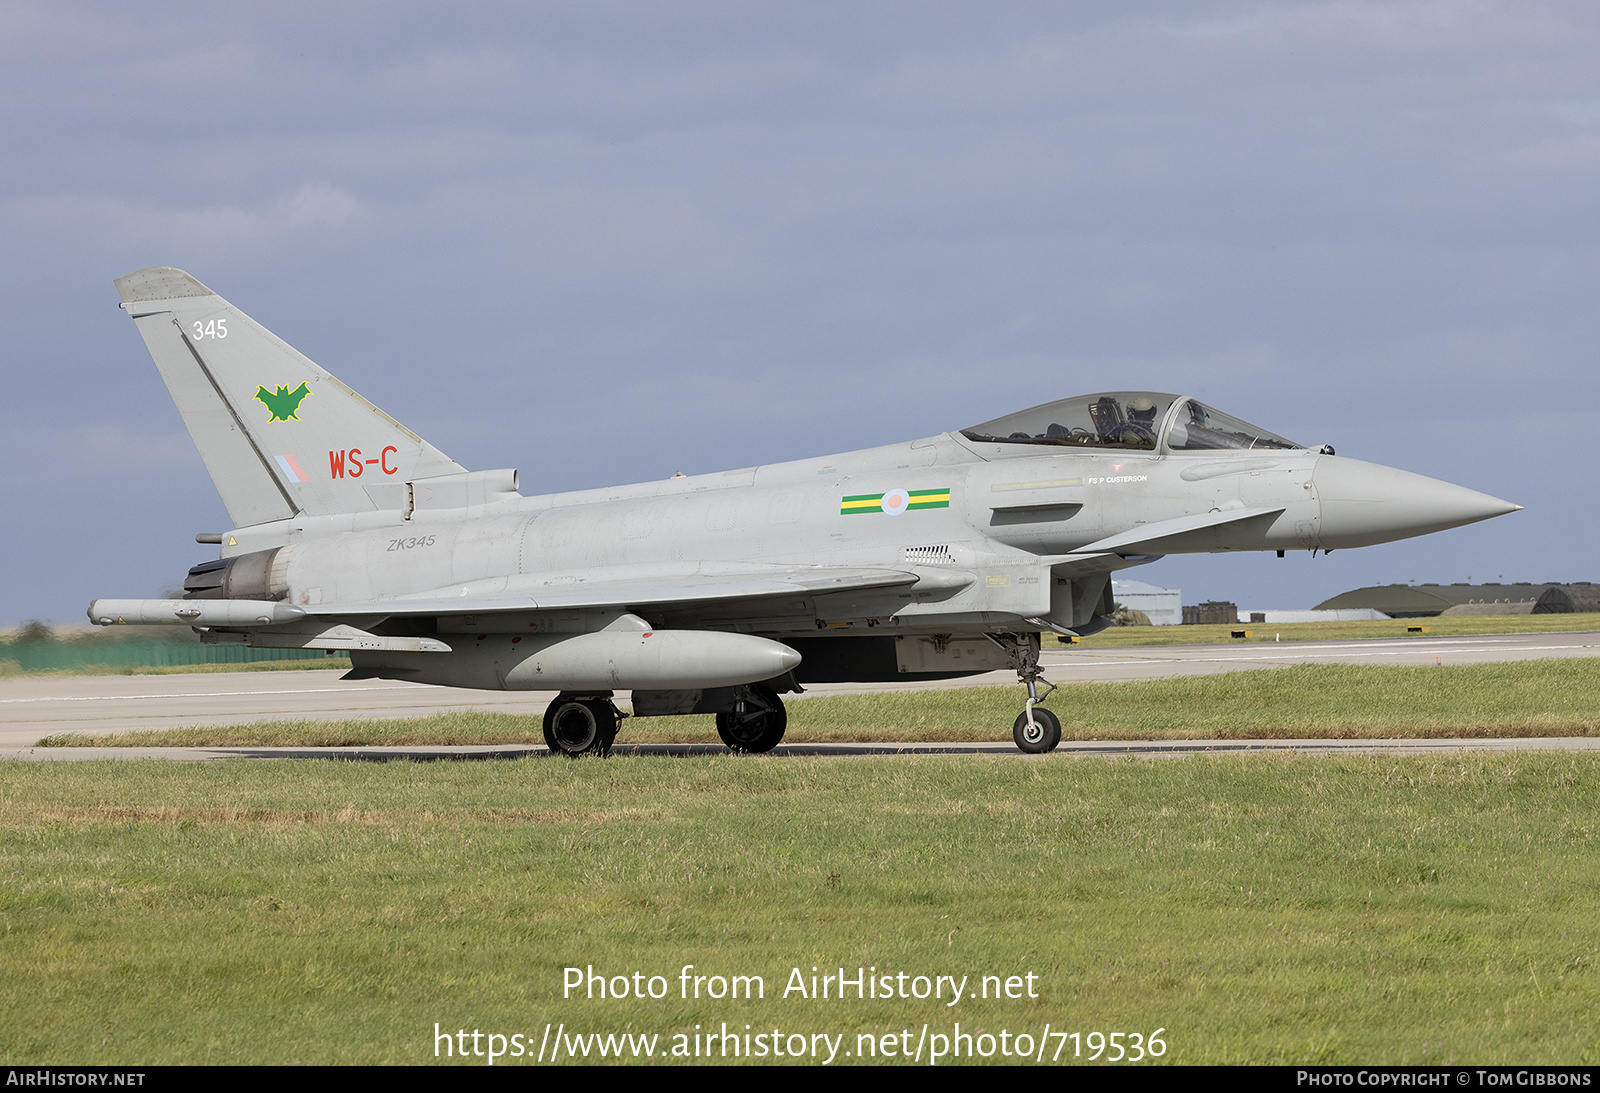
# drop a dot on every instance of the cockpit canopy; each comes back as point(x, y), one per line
point(1140, 420)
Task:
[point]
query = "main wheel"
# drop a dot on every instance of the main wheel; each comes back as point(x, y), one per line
point(1042, 736)
point(577, 727)
point(756, 723)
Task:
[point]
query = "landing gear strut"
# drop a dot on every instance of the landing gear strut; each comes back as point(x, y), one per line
point(580, 725)
point(1037, 730)
point(757, 721)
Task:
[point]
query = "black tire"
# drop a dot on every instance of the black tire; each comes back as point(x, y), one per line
point(1044, 735)
point(760, 725)
point(575, 727)
point(549, 717)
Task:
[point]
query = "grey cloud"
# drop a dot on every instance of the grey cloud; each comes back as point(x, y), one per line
point(609, 241)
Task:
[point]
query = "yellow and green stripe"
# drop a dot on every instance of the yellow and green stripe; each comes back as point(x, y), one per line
point(894, 502)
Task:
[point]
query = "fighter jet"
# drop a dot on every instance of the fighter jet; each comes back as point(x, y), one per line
point(946, 556)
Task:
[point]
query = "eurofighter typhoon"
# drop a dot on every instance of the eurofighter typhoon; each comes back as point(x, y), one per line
point(715, 593)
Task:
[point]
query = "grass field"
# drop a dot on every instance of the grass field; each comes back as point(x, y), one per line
point(1524, 698)
point(1460, 626)
point(1265, 910)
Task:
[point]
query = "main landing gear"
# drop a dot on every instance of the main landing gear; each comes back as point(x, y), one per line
point(757, 721)
point(1036, 730)
point(750, 719)
point(577, 725)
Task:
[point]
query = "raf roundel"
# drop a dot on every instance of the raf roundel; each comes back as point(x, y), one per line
point(895, 502)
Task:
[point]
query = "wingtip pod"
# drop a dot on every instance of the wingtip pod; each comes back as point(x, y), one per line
point(192, 612)
point(159, 283)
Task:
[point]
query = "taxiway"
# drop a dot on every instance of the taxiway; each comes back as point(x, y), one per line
point(31, 708)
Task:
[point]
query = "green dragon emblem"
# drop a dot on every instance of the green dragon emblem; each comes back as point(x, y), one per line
point(283, 402)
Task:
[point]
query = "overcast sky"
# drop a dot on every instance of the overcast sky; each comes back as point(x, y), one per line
point(607, 242)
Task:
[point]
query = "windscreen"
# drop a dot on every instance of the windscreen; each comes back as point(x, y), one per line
point(1197, 427)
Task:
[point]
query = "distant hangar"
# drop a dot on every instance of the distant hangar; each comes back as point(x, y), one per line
point(1405, 601)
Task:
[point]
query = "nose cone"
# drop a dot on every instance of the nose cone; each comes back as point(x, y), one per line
point(1365, 503)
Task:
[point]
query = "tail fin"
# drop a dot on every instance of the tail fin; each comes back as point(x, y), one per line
point(279, 435)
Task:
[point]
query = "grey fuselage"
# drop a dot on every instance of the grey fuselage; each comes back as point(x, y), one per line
point(1014, 513)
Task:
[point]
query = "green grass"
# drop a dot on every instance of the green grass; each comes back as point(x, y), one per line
point(1523, 698)
point(1463, 626)
point(10, 669)
point(1442, 909)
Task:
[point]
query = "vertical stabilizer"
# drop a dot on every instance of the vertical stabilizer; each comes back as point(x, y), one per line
point(279, 435)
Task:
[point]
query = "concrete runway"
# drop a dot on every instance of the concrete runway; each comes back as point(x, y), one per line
point(31, 708)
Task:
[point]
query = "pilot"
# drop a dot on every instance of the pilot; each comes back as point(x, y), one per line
point(1142, 412)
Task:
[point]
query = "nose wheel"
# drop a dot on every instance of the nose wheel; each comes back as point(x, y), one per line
point(1038, 735)
point(1037, 730)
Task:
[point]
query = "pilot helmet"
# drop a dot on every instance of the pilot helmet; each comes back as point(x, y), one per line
point(1142, 409)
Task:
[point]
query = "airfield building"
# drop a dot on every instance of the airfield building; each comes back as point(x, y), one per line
point(1357, 614)
point(1424, 600)
point(1163, 606)
point(1210, 613)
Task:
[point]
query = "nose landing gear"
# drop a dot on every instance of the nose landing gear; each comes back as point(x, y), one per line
point(1037, 730)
